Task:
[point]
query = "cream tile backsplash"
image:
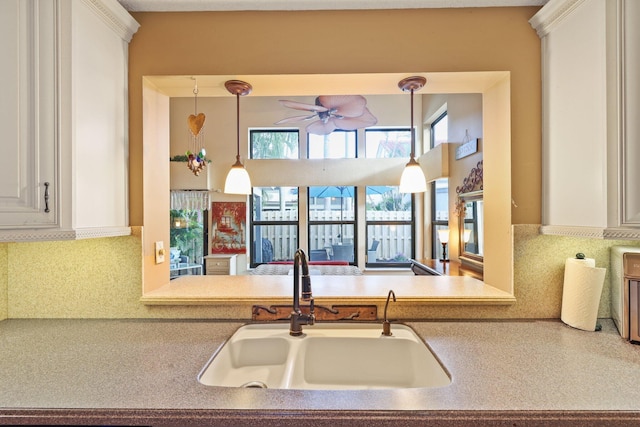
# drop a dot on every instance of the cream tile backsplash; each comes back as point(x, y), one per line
point(4, 282)
point(539, 268)
point(101, 278)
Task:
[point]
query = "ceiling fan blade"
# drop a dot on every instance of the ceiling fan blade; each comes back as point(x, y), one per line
point(344, 105)
point(295, 119)
point(302, 106)
point(352, 123)
point(322, 128)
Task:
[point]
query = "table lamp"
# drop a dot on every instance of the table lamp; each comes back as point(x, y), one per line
point(443, 234)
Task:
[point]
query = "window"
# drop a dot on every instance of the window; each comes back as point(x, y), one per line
point(440, 130)
point(274, 144)
point(338, 144)
point(390, 227)
point(387, 143)
point(188, 231)
point(186, 240)
point(332, 223)
point(439, 212)
point(274, 224)
point(473, 230)
point(439, 189)
point(225, 221)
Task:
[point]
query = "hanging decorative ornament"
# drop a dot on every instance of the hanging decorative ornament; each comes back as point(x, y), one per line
point(196, 123)
point(196, 160)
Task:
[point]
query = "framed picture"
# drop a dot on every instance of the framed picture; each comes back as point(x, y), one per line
point(228, 224)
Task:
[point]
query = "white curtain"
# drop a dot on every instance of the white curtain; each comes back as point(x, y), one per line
point(190, 199)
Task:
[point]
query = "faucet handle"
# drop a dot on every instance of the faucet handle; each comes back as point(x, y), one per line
point(306, 288)
point(312, 315)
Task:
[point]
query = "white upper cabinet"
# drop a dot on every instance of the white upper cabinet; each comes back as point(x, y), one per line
point(27, 115)
point(590, 100)
point(631, 120)
point(64, 117)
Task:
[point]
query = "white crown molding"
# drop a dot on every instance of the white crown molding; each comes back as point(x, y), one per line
point(36, 235)
point(100, 232)
point(235, 5)
point(115, 16)
point(41, 235)
point(591, 232)
point(572, 231)
point(552, 14)
point(622, 233)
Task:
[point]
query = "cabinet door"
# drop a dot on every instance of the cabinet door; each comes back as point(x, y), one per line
point(631, 132)
point(27, 114)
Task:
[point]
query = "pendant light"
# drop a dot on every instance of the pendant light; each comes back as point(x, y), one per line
point(412, 179)
point(238, 181)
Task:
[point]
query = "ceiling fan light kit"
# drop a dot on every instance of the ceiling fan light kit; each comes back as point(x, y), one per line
point(334, 112)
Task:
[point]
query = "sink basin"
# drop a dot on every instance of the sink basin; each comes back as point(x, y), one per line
point(342, 356)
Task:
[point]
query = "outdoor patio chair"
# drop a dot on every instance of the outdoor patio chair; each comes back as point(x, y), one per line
point(342, 252)
point(318, 255)
point(372, 252)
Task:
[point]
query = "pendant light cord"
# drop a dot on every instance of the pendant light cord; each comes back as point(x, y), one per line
point(413, 135)
point(238, 126)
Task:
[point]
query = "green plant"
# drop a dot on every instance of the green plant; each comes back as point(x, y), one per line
point(391, 201)
point(183, 158)
point(274, 145)
point(186, 233)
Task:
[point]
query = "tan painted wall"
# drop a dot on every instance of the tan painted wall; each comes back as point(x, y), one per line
point(100, 278)
point(430, 40)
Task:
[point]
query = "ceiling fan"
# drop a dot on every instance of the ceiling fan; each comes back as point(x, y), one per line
point(343, 112)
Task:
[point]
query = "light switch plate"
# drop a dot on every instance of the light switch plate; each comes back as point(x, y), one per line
point(159, 252)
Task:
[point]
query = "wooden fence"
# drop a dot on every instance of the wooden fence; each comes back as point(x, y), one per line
point(395, 240)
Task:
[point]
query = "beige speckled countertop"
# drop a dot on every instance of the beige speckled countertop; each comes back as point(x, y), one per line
point(143, 372)
point(278, 288)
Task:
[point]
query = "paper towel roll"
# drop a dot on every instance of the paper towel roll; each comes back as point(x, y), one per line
point(581, 293)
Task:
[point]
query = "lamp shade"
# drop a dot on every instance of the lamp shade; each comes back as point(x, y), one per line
point(443, 235)
point(238, 181)
point(412, 179)
point(467, 235)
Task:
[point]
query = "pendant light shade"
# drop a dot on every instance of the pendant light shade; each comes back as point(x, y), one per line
point(238, 181)
point(412, 179)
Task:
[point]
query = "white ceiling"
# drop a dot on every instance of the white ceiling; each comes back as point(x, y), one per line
point(227, 5)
